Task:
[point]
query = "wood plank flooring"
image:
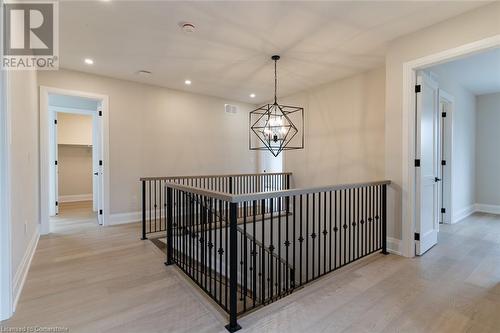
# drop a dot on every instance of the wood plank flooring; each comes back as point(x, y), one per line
point(95, 279)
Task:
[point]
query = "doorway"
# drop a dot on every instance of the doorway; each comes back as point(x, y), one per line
point(74, 181)
point(415, 228)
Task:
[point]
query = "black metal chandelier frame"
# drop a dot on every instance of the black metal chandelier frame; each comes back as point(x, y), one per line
point(276, 137)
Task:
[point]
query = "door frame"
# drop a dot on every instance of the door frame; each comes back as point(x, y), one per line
point(6, 289)
point(54, 111)
point(447, 146)
point(45, 167)
point(410, 69)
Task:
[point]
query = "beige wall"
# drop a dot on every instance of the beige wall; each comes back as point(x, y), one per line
point(75, 170)
point(487, 150)
point(344, 132)
point(74, 129)
point(23, 101)
point(159, 132)
point(469, 27)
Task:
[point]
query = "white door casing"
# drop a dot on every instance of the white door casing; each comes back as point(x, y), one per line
point(446, 102)
point(427, 174)
point(46, 164)
point(54, 172)
point(98, 171)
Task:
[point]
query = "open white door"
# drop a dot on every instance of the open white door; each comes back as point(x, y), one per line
point(427, 164)
point(54, 174)
point(98, 167)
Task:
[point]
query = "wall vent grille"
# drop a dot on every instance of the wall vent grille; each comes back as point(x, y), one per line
point(229, 108)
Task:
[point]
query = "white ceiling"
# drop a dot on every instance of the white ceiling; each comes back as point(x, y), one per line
point(229, 54)
point(479, 73)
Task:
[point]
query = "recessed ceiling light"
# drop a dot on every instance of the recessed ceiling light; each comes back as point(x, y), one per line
point(89, 61)
point(252, 95)
point(187, 82)
point(187, 27)
point(144, 72)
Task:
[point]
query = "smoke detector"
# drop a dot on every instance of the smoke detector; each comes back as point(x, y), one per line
point(187, 27)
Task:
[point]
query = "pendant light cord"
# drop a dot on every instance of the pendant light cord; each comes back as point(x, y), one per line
point(275, 82)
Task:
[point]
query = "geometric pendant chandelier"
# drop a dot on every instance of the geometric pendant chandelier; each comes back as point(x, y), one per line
point(277, 127)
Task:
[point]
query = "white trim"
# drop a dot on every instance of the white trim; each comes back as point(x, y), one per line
point(6, 308)
point(448, 180)
point(44, 151)
point(123, 218)
point(394, 246)
point(463, 213)
point(24, 266)
point(132, 217)
point(75, 197)
point(408, 128)
point(485, 208)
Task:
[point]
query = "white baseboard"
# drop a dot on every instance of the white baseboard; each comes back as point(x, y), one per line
point(394, 246)
point(463, 213)
point(122, 218)
point(132, 217)
point(24, 266)
point(491, 209)
point(75, 197)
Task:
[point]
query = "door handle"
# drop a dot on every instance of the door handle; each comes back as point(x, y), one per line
point(436, 179)
point(96, 173)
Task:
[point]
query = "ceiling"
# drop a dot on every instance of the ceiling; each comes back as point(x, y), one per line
point(479, 73)
point(229, 53)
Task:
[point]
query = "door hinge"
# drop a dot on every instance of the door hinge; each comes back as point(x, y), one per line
point(100, 162)
point(57, 203)
point(100, 113)
point(443, 162)
point(443, 114)
point(417, 236)
point(417, 163)
point(418, 88)
point(443, 210)
point(100, 211)
point(55, 121)
point(55, 162)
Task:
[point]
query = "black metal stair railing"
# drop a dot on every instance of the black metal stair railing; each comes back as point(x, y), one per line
point(154, 204)
point(251, 249)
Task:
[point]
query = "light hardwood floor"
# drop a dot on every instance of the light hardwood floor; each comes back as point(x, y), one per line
point(94, 279)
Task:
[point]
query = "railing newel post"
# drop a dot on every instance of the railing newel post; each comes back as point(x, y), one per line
point(143, 210)
point(233, 269)
point(168, 222)
point(384, 219)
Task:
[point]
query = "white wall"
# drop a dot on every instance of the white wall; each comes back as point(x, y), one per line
point(469, 27)
point(23, 100)
point(74, 129)
point(488, 150)
point(162, 132)
point(464, 144)
point(344, 132)
point(75, 171)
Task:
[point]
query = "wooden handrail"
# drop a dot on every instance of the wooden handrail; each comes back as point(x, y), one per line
point(216, 176)
point(274, 194)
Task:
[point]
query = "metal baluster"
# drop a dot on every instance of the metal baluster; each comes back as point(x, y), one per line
point(144, 210)
point(271, 249)
point(307, 238)
point(301, 240)
point(263, 261)
point(254, 254)
point(325, 232)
